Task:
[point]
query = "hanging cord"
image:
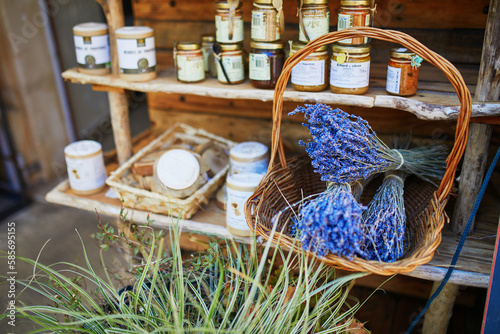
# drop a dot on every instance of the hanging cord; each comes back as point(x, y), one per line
point(461, 243)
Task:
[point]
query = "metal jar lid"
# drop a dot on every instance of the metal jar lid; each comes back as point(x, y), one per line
point(188, 46)
point(225, 5)
point(296, 46)
point(208, 38)
point(351, 49)
point(354, 2)
point(315, 2)
point(267, 46)
point(263, 2)
point(231, 47)
point(402, 53)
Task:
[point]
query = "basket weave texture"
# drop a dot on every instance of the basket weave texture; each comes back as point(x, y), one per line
point(289, 181)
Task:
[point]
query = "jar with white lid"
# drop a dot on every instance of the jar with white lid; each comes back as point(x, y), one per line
point(189, 62)
point(231, 56)
point(311, 73)
point(136, 53)
point(264, 24)
point(86, 170)
point(229, 26)
point(239, 188)
point(92, 48)
point(178, 173)
point(350, 69)
point(314, 17)
point(249, 157)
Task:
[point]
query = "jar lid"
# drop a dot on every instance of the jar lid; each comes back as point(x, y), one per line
point(270, 46)
point(296, 46)
point(248, 151)
point(231, 47)
point(352, 49)
point(178, 169)
point(244, 181)
point(354, 2)
point(95, 28)
point(225, 5)
point(315, 2)
point(208, 38)
point(263, 2)
point(402, 53)
point(134, 32)
point(188, 46)
point(82, 149)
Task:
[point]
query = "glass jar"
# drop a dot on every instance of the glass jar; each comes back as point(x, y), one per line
point(350, 69)
point(354, 13)
point(314, 17)
point(311, 73)
point(228, 23)
point(264, 24)
point(402, 72)
point(189, 62)
point(265, 64)
point(92, 48)
point(207, 45)
point(231, 56)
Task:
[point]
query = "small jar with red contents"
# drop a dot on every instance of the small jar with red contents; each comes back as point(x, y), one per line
point(402, 72)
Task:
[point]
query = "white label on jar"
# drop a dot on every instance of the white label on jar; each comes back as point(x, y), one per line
point(92, 51)
point(205, 52)
point(235, 208)
point(136, 55)
point(309, 73)
point(315, 26)
point(345, 21)
point(258, 167)
point(350, 75)
point(190, 68)
point(234, 69)
point(259, 67)
point(86, 174)
point(393, 80)
point(222, 30)
point(260, 24)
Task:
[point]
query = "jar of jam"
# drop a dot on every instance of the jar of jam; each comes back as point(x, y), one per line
point(231, 56)
point(314, 17)
point(228, 22)
point(354, 13)
point(189, 62)
point(264, 24)
point(207, 45)
point(350, 69)
point(266, 61)
point(311, 74)
point(402, 72)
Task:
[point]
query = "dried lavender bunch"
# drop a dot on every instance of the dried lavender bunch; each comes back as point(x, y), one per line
point(384, 221)
point(331, 223)
point(344, 148)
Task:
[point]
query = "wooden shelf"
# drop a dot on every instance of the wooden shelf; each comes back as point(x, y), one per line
point(476, 255)
point(435, 100)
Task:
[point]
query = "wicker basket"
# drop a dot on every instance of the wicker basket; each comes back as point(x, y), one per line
point(142, 199)
point(289, 181)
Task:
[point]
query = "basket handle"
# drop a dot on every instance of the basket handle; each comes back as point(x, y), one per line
point(451, 72)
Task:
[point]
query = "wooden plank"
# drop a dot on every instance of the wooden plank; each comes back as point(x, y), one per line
point(445, 14)
point(425, 105)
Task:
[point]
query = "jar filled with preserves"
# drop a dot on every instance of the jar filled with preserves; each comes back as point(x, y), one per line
point(228, 22)
point(264, 24)
point(189, 62)
point(231, 57)
point(350, 69)
point(311, 73)
point(314, 18)
point(265, 64)
point(207, 45)
point(354, 13)
point(402, 72)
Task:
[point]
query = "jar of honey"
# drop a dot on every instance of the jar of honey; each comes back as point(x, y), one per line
point(402, 72)
point(350, 69)
point(231, 57)
point(311, 74)
point(314, 17)
point(264, 24)
point(229, 26)
point(354, 13)
point(189, 62)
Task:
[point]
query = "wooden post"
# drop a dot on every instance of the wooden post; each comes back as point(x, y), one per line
point(118, 104)
point(439, 313)
point(487, 90)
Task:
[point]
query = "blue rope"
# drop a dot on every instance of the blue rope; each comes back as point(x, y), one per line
point(460, 244)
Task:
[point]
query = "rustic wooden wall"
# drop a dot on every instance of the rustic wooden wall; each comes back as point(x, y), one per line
point(454, 28)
